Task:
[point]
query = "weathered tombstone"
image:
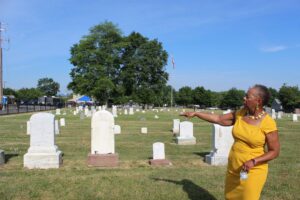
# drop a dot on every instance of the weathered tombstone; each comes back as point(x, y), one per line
point(2, 157)
point(56, 127)
point(28, 128)
point(42, 153)
point(57, 111)
point(81, 115)
point(103, 141)
point(176, 123)
point(114, 111)
point(279, 115)
point(273, 114)
point(295, 117)
point(144, 130)
point(125, 112)
point(62, 122)
point(222, 141)
point(186, 136)
point(159, 155)
point(131, 111)
point(117, 129)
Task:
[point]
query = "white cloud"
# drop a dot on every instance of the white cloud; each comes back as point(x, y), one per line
point(272, 49)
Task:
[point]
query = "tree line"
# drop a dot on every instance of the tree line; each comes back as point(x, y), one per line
point(116, 69)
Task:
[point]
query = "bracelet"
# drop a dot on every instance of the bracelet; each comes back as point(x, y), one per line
point(254, 162)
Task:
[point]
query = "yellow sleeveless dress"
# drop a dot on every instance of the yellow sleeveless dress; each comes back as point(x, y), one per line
point(249, 142)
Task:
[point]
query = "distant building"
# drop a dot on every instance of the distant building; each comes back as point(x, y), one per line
point(276, 105)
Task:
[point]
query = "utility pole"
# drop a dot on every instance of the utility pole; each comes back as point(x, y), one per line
point(1, 76)
point(2, 29)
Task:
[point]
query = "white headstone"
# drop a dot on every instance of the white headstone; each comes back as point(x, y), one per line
point(86, 110)
point(144, 130)
point(131, 111)
point(156, 117)
point(222, 141)
point(62, 122)
point(186, 129)
point(295, 117)
point(28, 127)
point(56, 127)
point(57, 111)
point(114, 111)
point(176, 123)
point(42, 153)
point(117, 129)
point(279, 115)
point(75, 112)
point(158, 150)
point(186, 134)
point(125, 112)
point(103, 140)
point(273, 114)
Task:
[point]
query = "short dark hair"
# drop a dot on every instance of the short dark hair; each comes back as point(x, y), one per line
point(263, 93)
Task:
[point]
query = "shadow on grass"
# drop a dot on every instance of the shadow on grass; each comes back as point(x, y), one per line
point(9, 156)
point(201, 154)
point(194, 191)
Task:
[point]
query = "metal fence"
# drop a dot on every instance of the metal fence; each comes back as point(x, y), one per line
point(16, 109)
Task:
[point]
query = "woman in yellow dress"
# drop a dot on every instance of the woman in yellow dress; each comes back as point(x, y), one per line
point(253, 129)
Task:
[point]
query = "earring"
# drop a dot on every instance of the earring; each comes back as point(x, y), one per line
point(257, 107)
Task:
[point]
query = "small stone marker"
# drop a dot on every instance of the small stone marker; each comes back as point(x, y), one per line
point(62, 122)
point(42, 153)
point(114, 111)
point(159, 155)
point(176, 123)
point(156, 117)
point(144, 130)
point(125, 112)
point(103, 141)
point(222, 141)
point(295, 117)
point(186, 136)
point(131, 111)
point(273, 114)
point(117, 129)
point(57, 111)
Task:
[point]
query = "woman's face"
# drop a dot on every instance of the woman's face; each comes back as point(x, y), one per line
point(251, 100)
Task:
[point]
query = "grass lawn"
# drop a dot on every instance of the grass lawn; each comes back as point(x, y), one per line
point(188, 178)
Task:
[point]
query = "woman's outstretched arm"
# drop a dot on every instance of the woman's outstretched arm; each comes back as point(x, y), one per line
point(223, 120)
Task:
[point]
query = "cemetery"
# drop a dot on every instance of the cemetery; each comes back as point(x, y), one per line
point(87, 156)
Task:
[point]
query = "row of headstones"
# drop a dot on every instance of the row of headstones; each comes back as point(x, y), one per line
point(279, 115)
point(43, 153)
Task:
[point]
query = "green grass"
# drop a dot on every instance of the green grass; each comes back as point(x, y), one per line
point(188, 178)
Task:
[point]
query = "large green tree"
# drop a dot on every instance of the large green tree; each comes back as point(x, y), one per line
point(96, 60)
point(233, 98)
point(289, 97)
point(28, 94)
point(185, 96)
point(110, 66)
point(48, 86)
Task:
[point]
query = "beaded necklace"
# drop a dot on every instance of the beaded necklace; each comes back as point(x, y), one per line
point(258, 116)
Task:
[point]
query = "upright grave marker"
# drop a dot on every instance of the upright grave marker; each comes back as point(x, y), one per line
point(103, 141)
point(159, 155)
point(186, 134)
point(222, 141)
point(42, 153)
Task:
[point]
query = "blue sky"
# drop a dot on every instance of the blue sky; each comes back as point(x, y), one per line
point(215, 44)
